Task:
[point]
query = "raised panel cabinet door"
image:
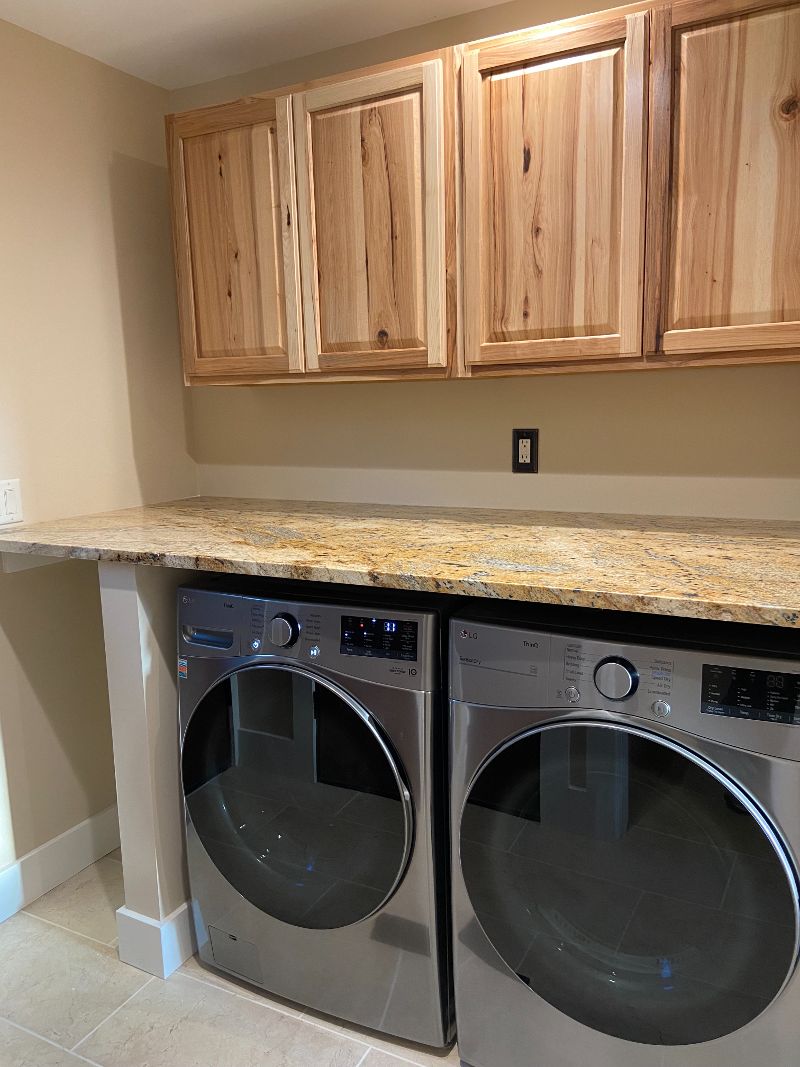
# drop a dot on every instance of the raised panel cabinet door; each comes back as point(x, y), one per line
point(371, 198)
point(554, 194)
point(234, 219)
point(723, 269)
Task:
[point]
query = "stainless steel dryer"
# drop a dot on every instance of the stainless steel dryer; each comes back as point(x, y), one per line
point(626, 832)
point(306, 735)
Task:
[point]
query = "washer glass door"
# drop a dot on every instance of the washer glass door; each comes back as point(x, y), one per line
point(296, 796)
point(629, 883)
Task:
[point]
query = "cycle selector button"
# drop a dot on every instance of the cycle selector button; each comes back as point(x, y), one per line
point(616, 678)
point(284, 630)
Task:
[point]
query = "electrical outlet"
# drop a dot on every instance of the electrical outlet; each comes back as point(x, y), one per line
point(10, 502)
point(525, 453)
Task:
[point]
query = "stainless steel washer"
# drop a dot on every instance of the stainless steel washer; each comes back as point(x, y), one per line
point(626, 833)
point(307, 734)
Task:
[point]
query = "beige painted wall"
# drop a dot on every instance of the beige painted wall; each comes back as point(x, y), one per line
point(90, 385)
point(91, 401)
point(722, 441)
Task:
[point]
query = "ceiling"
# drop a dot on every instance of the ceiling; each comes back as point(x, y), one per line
point(174, 43)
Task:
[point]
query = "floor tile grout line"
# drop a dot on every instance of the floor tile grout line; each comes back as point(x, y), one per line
point(262, 1002)
point(332, 1030)
point(47, 1040)
point(302, 1017)
point(298, 1018)
point(82, 1058)
point(67, 930)
point(397, 1056)
point(253, 998)
point(102, 1022)
point(340, 1032)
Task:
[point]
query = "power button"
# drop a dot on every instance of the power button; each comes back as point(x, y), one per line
point(661, 708)
point(572, 694)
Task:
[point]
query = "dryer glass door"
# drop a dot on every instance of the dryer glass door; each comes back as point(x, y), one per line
point(296, 796)
point(629, 883)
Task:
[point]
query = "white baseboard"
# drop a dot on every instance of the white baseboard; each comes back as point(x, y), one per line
point(55, 861)
point(158, 947)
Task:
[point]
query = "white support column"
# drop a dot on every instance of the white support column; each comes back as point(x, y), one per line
point(139, 621)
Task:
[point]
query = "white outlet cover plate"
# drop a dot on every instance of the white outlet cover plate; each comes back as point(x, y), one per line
point(10, 501)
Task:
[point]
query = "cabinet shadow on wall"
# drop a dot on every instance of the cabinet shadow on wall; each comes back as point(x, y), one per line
point(734, 422)
point(145, 273)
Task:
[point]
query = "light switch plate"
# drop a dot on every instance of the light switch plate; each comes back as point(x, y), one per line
point(10, 501)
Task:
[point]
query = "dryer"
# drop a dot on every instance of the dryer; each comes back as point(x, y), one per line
point(625, 842)
point(307, 737)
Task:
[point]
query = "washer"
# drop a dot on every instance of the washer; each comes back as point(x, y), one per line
point(307, 734)
point(625, 841)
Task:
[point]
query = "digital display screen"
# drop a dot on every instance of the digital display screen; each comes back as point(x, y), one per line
point(367, 635)
point(740, 693)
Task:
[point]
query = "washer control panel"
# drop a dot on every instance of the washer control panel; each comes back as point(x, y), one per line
point(395, 648)
point(616, 678)
point(375, 635)
point(284, 630)
point(749, 702)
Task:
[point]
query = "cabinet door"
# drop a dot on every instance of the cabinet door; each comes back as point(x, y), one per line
point(371, 197)
point(554, 145)
point(234, 221)
point(723, 270)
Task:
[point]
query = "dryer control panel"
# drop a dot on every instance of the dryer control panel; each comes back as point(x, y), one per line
point(745, 693)
point(751, 703)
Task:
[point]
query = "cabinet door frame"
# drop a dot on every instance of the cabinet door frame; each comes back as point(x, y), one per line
point(428, 77)
point(248, 112)
point(553, 42)
point(755, 342)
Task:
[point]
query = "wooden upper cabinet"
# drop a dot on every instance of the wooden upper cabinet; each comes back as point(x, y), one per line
point(371, 198)
point(236, 249)
point(554, 194)
point(723, 270)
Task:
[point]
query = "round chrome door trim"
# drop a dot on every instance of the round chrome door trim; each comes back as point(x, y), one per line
point(763, 821)
point(369, 722)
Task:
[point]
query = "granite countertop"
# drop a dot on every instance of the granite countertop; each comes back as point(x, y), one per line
point(724, 569)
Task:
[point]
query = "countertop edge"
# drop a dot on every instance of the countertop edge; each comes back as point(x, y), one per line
point(601, 599)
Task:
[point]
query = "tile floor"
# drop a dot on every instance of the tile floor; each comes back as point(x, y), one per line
point(65, 999)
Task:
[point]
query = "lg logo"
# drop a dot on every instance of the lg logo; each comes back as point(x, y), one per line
point(469, 634)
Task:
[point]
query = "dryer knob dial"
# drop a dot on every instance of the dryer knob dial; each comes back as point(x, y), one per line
point(284, 630)
point(616, 678)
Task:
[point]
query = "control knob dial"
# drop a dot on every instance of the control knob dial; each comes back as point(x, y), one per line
point(284, 630)
point(616, 678)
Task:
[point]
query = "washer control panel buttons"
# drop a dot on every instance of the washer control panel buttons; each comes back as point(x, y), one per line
point(572, 694)
point(255, 644)
point(284, 630)
point(661, 708)
point(616, 678)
